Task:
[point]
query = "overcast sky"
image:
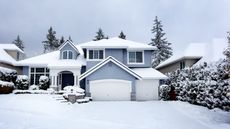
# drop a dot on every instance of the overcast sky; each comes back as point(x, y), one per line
point(184, 21)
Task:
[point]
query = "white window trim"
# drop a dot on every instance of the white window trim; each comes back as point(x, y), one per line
point(135, 63)
point(67, 55)
point(44, 73)
point(95, 59)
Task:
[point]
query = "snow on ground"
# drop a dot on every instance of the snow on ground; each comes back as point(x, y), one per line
point(46, 112)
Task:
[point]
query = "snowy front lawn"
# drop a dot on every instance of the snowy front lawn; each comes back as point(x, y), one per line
point(46, 112)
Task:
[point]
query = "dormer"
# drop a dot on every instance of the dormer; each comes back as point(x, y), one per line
point(68, 51)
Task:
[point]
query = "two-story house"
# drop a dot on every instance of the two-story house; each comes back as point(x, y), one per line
point(108, 69)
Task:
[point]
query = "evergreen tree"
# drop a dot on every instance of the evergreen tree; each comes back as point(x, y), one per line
point(164, 50)
point(70, 39)
point(18, 42)
point(62, 40)
point(122, 35)
point(52, 42)
point(100, 35)
point(227, 51)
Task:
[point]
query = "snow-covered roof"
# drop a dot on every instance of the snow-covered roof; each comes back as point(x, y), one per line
point(105, 61)
point(10, 46)
point(117, 43)
point(51, 59)
point(68, 63)
point(204, 52)
point(149, 73)
point(4, 56)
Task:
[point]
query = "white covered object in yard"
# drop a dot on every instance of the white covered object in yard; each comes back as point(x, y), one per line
point(147, 89)
point(33, 87)
point(110, 89)
point(73, 89)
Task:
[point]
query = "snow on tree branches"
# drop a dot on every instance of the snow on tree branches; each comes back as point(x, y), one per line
point(52, 42)
point(122, 35)
point(19, 43)
point(164, 50)
point(207, 85)
point(100, 35)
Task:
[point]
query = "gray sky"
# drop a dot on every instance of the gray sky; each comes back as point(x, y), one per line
point(184, 21)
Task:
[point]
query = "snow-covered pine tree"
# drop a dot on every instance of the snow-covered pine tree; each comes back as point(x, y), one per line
point(227, 53)
point(227, 50)
point(18, 42)
point(164, 50)
point(122, 35)
point(52, 42)
point(70, 39)
point(62, 40)
point(100, 35)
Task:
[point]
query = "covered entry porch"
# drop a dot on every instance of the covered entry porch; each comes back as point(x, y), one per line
point(61, 77)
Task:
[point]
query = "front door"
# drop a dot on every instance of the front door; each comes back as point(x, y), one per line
point(67, 79)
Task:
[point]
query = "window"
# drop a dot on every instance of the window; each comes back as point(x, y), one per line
point(67, 54)
point(135, 57)
point(36, 73)
point(182, 65)
point(96, 54)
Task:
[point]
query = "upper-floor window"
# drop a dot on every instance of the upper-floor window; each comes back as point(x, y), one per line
point(96, 54)
point(182, 65)
point(67, 54)
point(135, 57)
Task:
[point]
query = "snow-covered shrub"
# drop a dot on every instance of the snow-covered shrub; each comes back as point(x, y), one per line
point(164, 92)
point(22, 82)
point(34, 87)
point(207, 85)
point(44, 82)
point(6, 87)
point(8, 75)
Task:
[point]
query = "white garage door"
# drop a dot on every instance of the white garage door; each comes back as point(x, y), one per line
point(110, 89)
point(147, 89)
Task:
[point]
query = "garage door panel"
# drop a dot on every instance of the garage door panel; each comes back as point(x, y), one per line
point(147, 89)
point(110, 89)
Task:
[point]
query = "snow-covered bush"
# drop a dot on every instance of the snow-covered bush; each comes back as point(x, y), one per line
point(44, 82)
point(6, 87)
point(207, 85)
point(34, 87)
point(22, 82)
point(8, 75)
point(164, 92)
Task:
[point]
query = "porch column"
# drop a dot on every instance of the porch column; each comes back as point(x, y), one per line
point(76, 83)
point(53, 79)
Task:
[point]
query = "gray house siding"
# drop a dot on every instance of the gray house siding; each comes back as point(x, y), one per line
point(116, 53)
point(111, 71)
point(121, 55)
point(147, 60)
point(69, 47)
point(90, 64)
point(25, 70)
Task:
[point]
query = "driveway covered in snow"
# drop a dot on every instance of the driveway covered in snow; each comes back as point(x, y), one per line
point(46, 112)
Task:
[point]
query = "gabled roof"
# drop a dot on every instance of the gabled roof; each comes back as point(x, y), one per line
point(117, 43)
point(75, 47)
point(204, 52)
point(149, 73)
point(105, 61)
point(10, 46)
point(51, 59)
point(4, 56)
